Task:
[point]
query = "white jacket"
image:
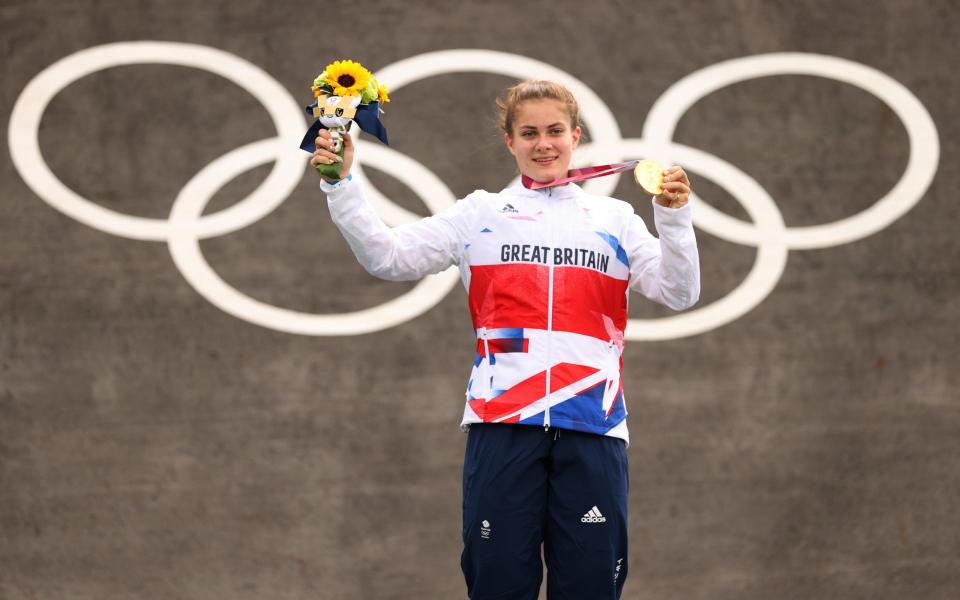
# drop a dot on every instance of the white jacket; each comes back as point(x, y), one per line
point(548, 273)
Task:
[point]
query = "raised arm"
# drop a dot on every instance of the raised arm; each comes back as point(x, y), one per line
point(666, 270)
point(401, 253)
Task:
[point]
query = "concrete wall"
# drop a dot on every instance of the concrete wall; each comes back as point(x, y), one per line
point(154, 446)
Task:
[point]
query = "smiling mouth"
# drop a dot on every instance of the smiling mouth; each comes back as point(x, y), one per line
point(544, 161)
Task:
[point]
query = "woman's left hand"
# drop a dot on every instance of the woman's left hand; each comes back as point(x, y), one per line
point(676, 189)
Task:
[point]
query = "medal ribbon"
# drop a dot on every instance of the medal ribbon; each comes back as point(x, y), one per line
point(581, 174)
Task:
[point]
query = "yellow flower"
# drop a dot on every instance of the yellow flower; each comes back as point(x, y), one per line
point(347, 78)
point(382, 94)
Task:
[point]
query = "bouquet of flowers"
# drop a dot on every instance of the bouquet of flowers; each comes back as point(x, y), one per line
point(345, 91)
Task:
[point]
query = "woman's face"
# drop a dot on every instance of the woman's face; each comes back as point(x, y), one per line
point(542, 139)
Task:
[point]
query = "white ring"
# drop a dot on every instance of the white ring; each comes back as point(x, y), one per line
point(25, 145)
point(921, 131)
point(186, 253)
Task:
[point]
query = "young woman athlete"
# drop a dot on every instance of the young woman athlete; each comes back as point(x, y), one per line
point(548, 272)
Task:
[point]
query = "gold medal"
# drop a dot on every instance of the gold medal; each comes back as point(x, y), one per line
point(649, 175)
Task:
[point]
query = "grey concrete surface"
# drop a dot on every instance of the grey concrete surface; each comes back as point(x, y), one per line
point(153, 446)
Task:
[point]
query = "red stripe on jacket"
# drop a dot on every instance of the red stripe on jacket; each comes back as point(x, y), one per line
point(516, 295)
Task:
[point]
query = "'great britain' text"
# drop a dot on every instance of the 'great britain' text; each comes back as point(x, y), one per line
point(572, 257)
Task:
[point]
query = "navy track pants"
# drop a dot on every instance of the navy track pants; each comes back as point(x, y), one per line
point(524, 486)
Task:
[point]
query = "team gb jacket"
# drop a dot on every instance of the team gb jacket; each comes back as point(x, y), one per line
point(548, 273)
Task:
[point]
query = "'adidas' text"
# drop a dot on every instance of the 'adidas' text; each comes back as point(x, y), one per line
point(593, 516)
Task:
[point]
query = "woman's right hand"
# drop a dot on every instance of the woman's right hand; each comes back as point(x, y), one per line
point(323, 155)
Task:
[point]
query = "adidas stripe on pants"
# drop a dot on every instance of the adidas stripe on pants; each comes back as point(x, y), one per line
point(567, 490)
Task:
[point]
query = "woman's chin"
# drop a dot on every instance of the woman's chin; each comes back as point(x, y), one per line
point(544, 174)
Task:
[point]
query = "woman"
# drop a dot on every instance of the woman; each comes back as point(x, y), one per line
point(548, 272)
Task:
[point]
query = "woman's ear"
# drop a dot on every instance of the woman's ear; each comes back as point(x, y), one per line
point(576, 136)
point(508, 140)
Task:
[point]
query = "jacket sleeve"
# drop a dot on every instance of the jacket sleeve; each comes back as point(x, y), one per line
point(665, 270)
point(402, 253)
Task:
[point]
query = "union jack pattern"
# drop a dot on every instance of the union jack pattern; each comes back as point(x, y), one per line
point(548, 298)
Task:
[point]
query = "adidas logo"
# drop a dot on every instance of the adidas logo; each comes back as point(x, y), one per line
point(508, 208)
point(593, 516)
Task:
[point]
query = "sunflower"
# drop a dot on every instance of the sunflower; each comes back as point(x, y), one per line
point(347, 78)
point(383, 95)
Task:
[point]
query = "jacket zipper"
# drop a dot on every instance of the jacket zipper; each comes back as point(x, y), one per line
point(488, 372)
point(550, 220)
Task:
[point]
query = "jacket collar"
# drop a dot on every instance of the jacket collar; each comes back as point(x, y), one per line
point(566, 191)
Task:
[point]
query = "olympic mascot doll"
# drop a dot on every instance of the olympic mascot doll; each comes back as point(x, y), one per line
point(344, 92)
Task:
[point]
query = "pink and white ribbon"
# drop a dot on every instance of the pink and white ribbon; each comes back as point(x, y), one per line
point(581, 174)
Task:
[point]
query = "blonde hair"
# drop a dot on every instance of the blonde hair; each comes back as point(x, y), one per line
point(535, 89)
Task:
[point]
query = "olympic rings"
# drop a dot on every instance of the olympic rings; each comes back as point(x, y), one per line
point(187, 224)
